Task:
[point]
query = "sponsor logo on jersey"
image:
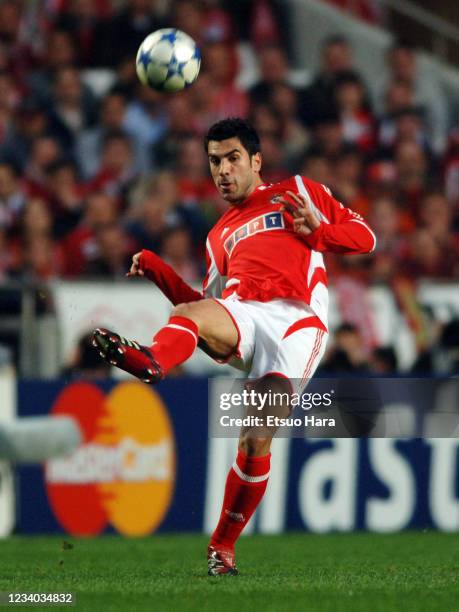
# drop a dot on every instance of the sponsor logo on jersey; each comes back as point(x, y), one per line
point(276, 199)
point(123, 473)
point(263, 223)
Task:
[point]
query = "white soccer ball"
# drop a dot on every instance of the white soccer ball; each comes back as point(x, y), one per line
point(168, 60)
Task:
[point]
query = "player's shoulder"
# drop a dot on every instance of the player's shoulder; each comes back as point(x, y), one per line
point(298, 182)
point(312, 186)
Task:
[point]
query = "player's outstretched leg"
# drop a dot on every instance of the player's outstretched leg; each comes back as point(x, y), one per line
point(127, 355)
point(173, 344)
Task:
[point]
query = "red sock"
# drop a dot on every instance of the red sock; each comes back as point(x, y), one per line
point(175, 342)
point(245, 487)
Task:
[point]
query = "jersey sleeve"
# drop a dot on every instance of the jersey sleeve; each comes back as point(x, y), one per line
point(341, 230)
point(167, 279)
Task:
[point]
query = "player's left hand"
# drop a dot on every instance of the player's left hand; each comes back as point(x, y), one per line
point(304, 218)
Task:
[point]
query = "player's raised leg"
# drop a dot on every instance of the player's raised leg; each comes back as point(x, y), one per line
point(174, 343)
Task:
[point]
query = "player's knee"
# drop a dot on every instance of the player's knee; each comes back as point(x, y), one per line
point(183, 310)
point(254, 445)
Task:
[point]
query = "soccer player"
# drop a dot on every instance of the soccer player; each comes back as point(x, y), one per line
point(263, 307)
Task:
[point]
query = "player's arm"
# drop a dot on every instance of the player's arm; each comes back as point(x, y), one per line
point(325, 224)
point(148, 264)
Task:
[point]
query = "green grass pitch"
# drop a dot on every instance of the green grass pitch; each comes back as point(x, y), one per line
point(401, 572)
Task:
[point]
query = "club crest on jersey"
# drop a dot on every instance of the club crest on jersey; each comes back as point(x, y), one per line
point(263, 223)
point(276, 199)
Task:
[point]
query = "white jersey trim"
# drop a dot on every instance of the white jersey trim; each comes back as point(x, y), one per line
point(368, 228)
point(302, 189)
point(248, 478)
point(215, 281)
point(174, 326)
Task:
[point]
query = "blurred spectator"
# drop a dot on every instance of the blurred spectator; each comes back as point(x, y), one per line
point(316, 166)
point(434, 248)
point(398, 96)
point(260, 21)
point(176, 249)
point(60, 53)
point(36, 255)
point(328, 135)
point(154, 217)
point(90, 141)
point(347, 354)
point(29, 122)
point(274, 70)
point(383, 361)
point(9, 101)
point(157, 207)
point(128, 27)
point(273, 167)
point(83, 21)
point(146, 122)
point(356, 118)
point(80, 246)
point(318, 99)
point(73, 107)
point(116, 173)
point(6, 256)
point(226, 98)
point(181, 124)
point(403, 65)
point(45, 150)
point(385, 219)
point(451, 170)
point(295, 139)
point(428, 258)
point(442, 356)
point(216, 23)
point(347, 182)
point(194, 182)
point(19, 51)
point(188, 16)
point(264, 119)
point(42, 259)
point(412, 173)
point(65, 196)
point(114, 253)
point(85, 362)
point(12, 198)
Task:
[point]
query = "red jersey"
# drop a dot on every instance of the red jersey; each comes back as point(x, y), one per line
point(253, 251)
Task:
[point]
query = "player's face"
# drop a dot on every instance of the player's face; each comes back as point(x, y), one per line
point(235, 173)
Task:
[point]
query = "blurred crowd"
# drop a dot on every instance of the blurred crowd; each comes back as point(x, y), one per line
point(94, 166)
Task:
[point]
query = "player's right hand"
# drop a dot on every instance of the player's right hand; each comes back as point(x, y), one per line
point(135, 266)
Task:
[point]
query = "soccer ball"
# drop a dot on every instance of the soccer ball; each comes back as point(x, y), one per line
point(168, 60)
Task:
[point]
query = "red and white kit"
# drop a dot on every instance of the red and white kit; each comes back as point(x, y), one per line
point(271, 280)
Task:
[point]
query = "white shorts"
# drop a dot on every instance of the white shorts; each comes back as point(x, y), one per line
point(281, 337)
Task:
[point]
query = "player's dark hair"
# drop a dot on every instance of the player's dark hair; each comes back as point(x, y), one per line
point(234, 127)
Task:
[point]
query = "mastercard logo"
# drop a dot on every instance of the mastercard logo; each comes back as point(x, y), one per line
point(123, 473)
